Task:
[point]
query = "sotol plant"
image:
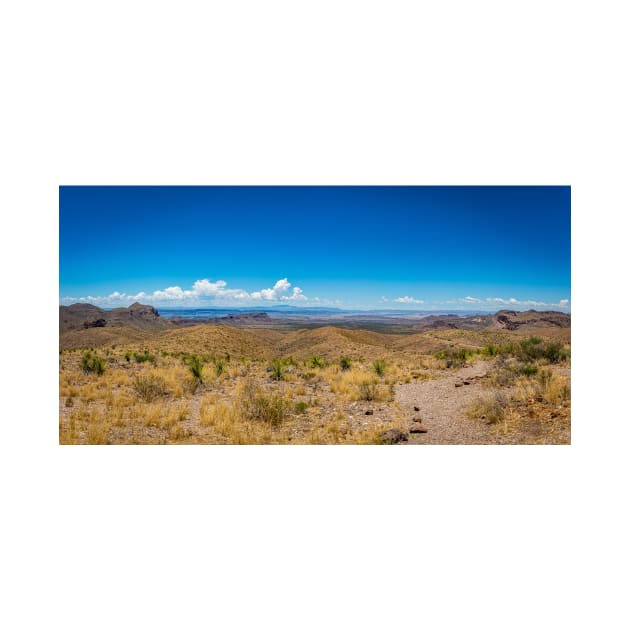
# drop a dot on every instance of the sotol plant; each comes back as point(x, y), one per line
point(92, 363)
point(379, 367)
point(195, 365)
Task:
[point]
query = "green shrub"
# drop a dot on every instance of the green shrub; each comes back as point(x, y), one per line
point(195, 365)
point(490, 350)
point(143, 357)
point(531, 349)
point(454, 358)
point(379, 367)
point(528, 369)
point(127, 356)
point(316, 362)
point(553, 352)
point(345, 363)
point(277, 370)
point(301, 407)
point(219, 366)
point(92, 363)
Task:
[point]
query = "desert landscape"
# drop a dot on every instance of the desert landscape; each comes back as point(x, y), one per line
point(131, 376)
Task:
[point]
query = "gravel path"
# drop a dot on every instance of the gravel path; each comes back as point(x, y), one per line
point(443, 408)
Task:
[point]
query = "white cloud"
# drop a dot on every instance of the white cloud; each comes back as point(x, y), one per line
point(282, 286)
point(406, 299)
point(296, 296)
point(513, 302)
point(202, 291)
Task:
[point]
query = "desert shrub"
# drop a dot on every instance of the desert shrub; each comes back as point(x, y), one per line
point(488, 408)
point(531, 349)
point(92, 363)
point(259, 406)
point(301, 407)
point(509, 349)
point(490, 350)
point(127, 356)
point(553, 352)
point(345, 363)
point(367, 391)
point(379, 367)
point(316, 361)
point(454, 358)
point(195, 366)
point(528, 369)
point(219, 365)
point(277, 370)
point(143, 357)
point(150, 386)
point(307, 376)
point(373, 391)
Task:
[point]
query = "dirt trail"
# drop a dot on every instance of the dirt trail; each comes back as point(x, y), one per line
point(443, 408)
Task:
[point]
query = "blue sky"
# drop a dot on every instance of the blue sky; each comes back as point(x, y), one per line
point(474, 248)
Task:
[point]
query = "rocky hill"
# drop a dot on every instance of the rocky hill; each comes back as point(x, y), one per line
point(85, 316)
point(527, 320)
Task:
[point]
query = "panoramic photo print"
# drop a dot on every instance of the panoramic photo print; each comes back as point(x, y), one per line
point(393, 315)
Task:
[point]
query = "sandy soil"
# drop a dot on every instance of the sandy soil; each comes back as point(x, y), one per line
point(442, 408)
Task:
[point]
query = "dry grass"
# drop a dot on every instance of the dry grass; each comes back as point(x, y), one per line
point(490, 408)
point(535, 406)
point(320, 401)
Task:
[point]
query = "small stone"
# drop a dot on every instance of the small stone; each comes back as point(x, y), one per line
point(369, 412)
point(393, 436)
point(458, 384)
point(416, 408)
point(467, 382)
point(416, 427)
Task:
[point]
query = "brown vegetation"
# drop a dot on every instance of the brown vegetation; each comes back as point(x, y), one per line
point(217, 384)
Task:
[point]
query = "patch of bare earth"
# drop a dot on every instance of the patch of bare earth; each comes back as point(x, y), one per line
point(442, 408)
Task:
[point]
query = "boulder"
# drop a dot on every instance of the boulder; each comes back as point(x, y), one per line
point(393, 436)
point(418, 427)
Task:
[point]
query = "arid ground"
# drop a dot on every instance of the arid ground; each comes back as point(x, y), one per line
point(508, 383)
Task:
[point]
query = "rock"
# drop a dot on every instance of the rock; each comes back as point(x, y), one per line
point(97, 323)
point(458, 384)
point(467, 382)
point(369, 412)
point(417, 427)
point(416, 408)
point(393, 436)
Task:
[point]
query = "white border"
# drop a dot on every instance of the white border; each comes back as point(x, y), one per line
point(327, 93)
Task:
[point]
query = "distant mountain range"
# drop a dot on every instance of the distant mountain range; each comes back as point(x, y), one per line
point(147, 318)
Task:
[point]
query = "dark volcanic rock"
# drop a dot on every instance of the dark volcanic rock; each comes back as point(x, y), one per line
point(97, 323)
